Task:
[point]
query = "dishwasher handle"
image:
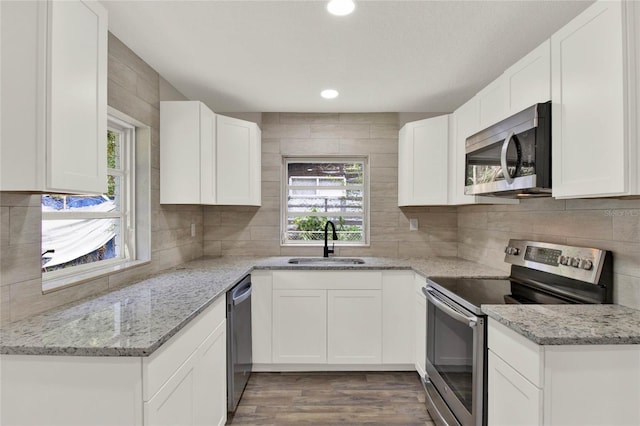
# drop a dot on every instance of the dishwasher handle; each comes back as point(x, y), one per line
point(241, 293)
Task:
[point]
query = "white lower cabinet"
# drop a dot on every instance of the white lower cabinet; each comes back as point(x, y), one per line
point(513, 400)
point(332, 319)
point(354, 327)
point(421, 325)
point(398, 320)
point(185, 381)
point(300, 326)
point(530, 384)
point(193, 395)
point(181, 383)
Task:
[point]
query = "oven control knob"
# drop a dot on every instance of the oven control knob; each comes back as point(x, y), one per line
point(586, 264)
point(575, 262)
point(562, 260)
point(514, 251)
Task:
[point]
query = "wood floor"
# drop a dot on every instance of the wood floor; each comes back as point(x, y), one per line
point(340, 398)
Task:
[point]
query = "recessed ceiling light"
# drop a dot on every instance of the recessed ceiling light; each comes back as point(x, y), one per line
point(329, 93)
point(341, 7)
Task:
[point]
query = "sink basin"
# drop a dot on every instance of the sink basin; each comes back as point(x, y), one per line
point(326, 261)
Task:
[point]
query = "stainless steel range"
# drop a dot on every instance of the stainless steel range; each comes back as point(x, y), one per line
point(456, 362)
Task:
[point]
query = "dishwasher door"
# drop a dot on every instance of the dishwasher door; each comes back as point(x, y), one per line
point(239, 361)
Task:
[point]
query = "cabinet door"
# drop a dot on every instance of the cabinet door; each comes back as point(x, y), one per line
point(492, 103)
point(405, 166)
point(180, 151)
point(398, 319)
point(421, 325)
point(354, 327)
point(423, 159)
point(590, 146)
point(173, 404)
point(261, 316)
point(54, 96)
point(513, 400)
point(529, 80)
point(207, 139)
point(300, 326)
point(210, 379)
point(238, 161)
point(77, 102)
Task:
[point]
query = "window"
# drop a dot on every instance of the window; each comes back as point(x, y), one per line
point(317, 190)
point(81, 233)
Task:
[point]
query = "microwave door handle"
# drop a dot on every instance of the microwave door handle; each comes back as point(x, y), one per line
point(503, 158)
point(471, 321)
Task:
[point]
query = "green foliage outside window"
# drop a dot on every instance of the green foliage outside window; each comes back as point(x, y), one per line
point(313, 228)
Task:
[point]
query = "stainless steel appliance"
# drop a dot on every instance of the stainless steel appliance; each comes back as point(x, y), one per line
point(456, 361)
point(239, 362)
point(513, 157)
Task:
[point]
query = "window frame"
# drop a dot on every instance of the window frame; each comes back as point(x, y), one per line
point(366, 196)
point(53, 280)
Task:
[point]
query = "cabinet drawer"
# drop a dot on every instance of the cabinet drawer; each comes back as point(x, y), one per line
point(159, 367)
point(327, 280)
point(520, 353)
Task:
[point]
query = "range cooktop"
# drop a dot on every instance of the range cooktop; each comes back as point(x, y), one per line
point(541, 273)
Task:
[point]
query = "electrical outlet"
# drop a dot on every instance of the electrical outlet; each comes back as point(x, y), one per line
point(193, 229)
point(413, 224)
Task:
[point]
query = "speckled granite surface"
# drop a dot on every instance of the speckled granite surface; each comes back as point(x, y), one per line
point(570, 324)
point(136, 320)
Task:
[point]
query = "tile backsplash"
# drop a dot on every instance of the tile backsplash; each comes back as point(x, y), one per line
point(483, 232)
point(256, 231)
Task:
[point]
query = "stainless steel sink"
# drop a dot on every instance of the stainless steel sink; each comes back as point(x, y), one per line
point(326, 261)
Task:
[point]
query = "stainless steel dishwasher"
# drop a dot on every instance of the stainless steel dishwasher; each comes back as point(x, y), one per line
point(239, 362)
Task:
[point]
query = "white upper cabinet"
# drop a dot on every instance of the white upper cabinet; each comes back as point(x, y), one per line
point(54, 97)
point(525, 83)
point(187, 153)
point(492, 103)
point(207, 158)
point(593, 95)
point(423, 157)
point(528, 81)
point(239, 162)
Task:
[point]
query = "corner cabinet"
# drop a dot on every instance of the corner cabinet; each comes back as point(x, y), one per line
point(206, 158)
point(423, 157)
point(529, 384)
point(54, 96)
point(595, 147)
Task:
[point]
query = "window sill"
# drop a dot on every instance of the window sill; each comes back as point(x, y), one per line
point(322, 245)
point(55, 284)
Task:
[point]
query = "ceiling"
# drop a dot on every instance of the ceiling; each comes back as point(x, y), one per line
point(400, 56)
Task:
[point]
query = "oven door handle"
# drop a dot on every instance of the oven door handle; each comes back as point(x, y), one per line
point(471, 321)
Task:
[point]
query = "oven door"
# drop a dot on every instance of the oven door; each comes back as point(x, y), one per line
point(455, 361)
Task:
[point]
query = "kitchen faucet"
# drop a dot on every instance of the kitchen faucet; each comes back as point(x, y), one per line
point(328, 250)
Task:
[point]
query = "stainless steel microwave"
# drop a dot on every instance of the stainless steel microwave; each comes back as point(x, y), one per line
point(512, 158)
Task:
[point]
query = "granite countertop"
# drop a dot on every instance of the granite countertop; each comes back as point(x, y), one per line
point(570, 324)
point(138, 319)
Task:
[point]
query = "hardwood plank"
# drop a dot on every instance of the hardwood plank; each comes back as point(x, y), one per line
point(333, 398)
